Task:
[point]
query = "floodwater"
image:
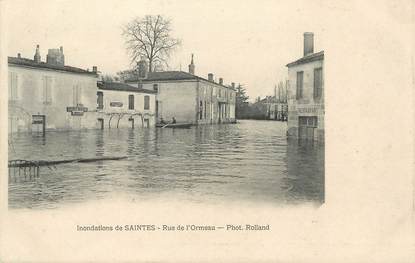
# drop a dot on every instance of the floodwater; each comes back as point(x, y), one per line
point(250, 161)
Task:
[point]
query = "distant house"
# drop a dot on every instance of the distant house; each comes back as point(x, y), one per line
point(187, 97)
point(306, 94)
point(274, 109)
point(50, 95)
point(122, 105)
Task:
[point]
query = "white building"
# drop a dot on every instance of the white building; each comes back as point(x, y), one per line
point(50, 95)
point(306, 94)
point(189, 98)
point(121, 105)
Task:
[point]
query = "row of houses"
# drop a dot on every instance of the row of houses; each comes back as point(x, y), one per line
point(49, 95)
point(275, 107)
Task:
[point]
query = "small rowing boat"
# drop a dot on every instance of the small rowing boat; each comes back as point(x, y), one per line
point(174, 125)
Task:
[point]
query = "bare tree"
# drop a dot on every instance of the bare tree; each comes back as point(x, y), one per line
point(150, 37)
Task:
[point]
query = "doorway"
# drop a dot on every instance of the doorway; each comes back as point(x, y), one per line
point(39, 124)
point(131, 120)
point(101, 123)
point(307, 126)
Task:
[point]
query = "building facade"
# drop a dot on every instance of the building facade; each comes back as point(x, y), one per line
point(274, 109)
point(189, 98)
point(121, 105)
point(306, 94)
point(50, 95)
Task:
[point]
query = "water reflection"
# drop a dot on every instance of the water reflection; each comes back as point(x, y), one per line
point(250, 161)
point(305, 179)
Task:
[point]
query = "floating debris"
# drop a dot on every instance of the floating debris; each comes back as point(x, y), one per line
point(18, 168)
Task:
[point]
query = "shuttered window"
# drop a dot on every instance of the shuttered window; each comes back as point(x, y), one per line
point(200, 110)
point(205, 110)
point(318, 79)
point(146, 102)
point(13, 87)
point(76, 95)
point(100, 100)
point(299, 84)
point(47, 89)
point(131, 102)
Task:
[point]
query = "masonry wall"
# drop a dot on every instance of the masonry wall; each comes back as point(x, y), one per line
point(176, 99)
point(307, 106)
point(194, 101)
point(216, 104)
point(27, 98)
point(116, 112)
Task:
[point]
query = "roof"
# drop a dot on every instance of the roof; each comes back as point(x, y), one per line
point(31, 63)
point(308, 58)
point(118, 86)
point(172, 75)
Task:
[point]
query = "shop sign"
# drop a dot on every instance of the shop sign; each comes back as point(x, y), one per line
point(77, 113)
point(76, 108)
point(116, 104)
point(38, 119)
point(307, 110)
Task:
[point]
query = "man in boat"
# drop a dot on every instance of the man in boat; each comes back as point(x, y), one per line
point(173, 120)
point(162, 121)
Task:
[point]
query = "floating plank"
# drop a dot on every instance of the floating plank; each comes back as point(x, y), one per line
point(13, 163)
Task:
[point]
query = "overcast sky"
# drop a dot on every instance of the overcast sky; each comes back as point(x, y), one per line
point(247, 42)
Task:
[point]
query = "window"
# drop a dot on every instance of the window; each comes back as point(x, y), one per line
point(76, 95)
point(318, 79)
point(205, 110)
point(146, 102)
point(200, 110)
point(100, 100)
point(47, 90)
point(307, 121)
point(300, 84)
point(131, 102)
point(156, 87)
point(13, 81)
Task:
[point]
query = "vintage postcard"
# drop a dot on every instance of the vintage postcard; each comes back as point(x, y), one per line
point(195, 131)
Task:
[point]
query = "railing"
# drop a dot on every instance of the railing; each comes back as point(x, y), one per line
point(18, 168)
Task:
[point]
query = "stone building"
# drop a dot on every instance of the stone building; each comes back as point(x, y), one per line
point(121, 105)
point(189, 98)
point(306, 94)
point(50, 95)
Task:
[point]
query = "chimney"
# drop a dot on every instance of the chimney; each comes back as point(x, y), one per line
point(221, 81)
point(308, 43)
point(192, 67)
point(55, 57)
point(233, 85)
point(36, 58)
point(18, 55)
point(142, 68)
point(210, 77)
point(94, 69)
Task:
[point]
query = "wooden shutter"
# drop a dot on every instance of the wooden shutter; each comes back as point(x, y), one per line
point(146, 102)
point(299, 84)
point(318, 82)
point(131, 102)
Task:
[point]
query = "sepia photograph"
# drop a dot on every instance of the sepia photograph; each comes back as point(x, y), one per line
point(202, 131)
point(151, 110)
